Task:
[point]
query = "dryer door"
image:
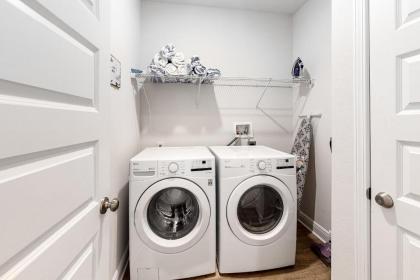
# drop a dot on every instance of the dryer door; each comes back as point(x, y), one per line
point(260, 209)
point(172, 215)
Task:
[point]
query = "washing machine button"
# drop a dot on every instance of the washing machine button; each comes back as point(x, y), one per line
point(262, 165)
point(173, 167)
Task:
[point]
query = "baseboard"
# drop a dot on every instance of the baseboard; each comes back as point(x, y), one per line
point(320, 232)
point(122, 266)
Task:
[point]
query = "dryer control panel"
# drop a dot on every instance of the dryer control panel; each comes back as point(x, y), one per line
point(194, 168)
point(270, 165)
point(259, 165)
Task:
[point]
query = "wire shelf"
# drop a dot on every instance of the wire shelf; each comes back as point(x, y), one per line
point(223, 81)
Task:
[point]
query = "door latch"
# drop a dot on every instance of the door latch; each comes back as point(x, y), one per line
point(369, 193)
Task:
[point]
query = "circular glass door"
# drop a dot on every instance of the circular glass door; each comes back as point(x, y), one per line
point(260, 209)
point(172, 215)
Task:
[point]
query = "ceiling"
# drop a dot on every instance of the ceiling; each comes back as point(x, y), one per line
point(277, 6)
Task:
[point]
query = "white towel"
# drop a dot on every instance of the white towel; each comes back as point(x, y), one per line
point(195, 60)
point(200, 70)
point(197, 68)
point(171, 69)
point(184, 69)
point(171, 66)
point(178, 59)
point(156, 70)
point(159, 60)
point(213, 73)
point(168, 51)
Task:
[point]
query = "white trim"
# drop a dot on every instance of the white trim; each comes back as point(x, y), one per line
point(323, 234)
point(122, 266)
point(361, 150)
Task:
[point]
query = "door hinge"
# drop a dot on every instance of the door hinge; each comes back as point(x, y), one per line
point(369, 193)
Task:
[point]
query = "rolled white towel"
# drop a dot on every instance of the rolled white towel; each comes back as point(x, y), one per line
point(197, 68)
point(159, 60)
point(156, 70)
point(168, 51)
point(200, 70)
point(184, 69)
point(213, 73)
point(195, 60)
point(171, 69)
point(178, 59)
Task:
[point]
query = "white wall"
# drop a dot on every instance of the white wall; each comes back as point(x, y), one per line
point(124, 120)
point(312, 42)
point(240, 43)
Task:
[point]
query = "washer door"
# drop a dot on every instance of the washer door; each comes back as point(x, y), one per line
point(260, 209)
point(172, 215)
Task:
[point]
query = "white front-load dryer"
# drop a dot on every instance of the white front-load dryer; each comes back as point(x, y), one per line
point(172, 213)
point(256, 194)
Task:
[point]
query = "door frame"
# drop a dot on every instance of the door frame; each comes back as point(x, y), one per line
point(362, 141)
point(351, 136)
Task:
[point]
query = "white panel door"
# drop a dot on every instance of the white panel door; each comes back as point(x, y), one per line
point(395, 110)
point(53, 145)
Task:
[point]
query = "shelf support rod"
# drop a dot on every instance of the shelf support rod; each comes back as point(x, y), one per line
point(197, 97)
point(263, 93)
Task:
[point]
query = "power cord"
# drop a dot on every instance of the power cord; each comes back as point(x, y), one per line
point(234, 140)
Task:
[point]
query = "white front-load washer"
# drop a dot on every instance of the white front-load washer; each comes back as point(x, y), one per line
point(172, 213)
point(256, 195)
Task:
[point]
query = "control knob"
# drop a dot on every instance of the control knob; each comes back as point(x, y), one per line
point(173, 167)
point(261, 165)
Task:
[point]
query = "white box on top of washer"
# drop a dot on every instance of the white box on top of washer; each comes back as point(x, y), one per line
point(172, 213)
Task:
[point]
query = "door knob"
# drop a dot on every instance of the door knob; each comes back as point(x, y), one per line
point(107, 204)
point(384, 200)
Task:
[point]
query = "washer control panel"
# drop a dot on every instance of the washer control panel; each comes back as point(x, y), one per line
point(201, 165)
point(144, 169)
point(171, 168)
point(262, 165)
